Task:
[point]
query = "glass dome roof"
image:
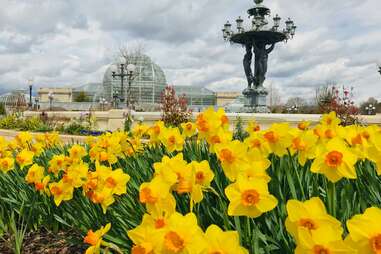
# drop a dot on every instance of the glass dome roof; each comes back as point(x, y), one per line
point(18, 98)
point(146, 87)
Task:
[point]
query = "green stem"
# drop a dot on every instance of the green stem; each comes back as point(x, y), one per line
point(296, 168)
point(289, 178)
point(238, 228)
point(331, 192)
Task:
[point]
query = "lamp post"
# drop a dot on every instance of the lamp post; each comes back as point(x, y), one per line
point(115, 97)
point(379, 68)
point(293, 109)
point(36, 102)
point(131, 71)
point(30, 83)
point(260, 39)
point(370, 109)
point(103, 103)
point(120, 72)
point(50, 97)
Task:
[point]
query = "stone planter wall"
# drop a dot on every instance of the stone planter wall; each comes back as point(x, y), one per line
point(114, 119)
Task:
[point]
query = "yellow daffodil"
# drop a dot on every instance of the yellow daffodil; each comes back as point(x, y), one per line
point(24, 158)
point(37, 148)
point(104, 197)
point(158, 217)
point(153, 223)
point(95, 239)
point(253, 127)
point(330, 119)
point(257, 144)
point(365, 231)
point(194, 179)
point(256, 169)
point(6, 164)
point(202, 173)
point(279, 138)
point(155, 193)
point(24, 139)
point(374, 151)
point(224, 120)
point(182, 235)
point(304, 145)
point(169, 168)
point(42, 186)
point(219, 241)
point(360, 146)
point(57, 164)
point(220, 136)
point(172, 139)
point(61, 192)
point(155, 131)
point(187, 185)
point(232, 155)
point(249, 198)
point(77, 152)
point(304, 125)
point(141, 236)
point(35, 174)
point(336, 161)
point(324, 240)
point(132, 146)
point(76, 175)
point(139, 130)
point(209, 122)
point(117, 180)
point(310, 215)
point(51, 139)
point(188, 129)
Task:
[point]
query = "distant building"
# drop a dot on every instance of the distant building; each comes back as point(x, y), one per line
point(225, 98)
point(146, 90)
point(198, 98)
point(146, 86)
point(59, 94)
point(16, 100)
point(92, 92)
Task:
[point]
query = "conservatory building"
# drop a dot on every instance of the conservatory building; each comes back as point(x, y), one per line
point(148, 82)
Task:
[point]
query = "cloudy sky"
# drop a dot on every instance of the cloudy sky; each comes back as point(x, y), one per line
point(71, 42)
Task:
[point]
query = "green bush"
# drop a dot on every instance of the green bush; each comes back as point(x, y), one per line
point(16, 122)
point(2, 109)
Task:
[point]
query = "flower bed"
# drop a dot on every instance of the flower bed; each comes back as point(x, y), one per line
point(193, 189)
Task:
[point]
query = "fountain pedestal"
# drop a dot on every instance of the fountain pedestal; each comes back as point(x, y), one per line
point(255, 100)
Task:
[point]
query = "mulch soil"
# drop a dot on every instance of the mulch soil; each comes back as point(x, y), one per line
point(45, 242)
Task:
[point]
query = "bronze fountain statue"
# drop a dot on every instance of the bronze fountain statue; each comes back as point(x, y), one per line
point(260, 40)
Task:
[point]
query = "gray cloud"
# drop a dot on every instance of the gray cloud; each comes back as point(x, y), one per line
point(71, 42)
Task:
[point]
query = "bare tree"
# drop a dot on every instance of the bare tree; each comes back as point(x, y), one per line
point(274, 96)
point(130, 52)
point(324, 94)
point(296, 101)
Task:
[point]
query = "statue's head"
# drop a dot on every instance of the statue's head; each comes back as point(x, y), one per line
point(258, 1)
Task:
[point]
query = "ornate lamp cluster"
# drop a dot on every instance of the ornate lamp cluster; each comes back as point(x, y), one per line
point(121, 71)
point(370, 109)
point(259, 22)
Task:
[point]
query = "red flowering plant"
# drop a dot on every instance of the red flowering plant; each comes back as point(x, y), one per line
point(341, 101)
point(174, 109)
